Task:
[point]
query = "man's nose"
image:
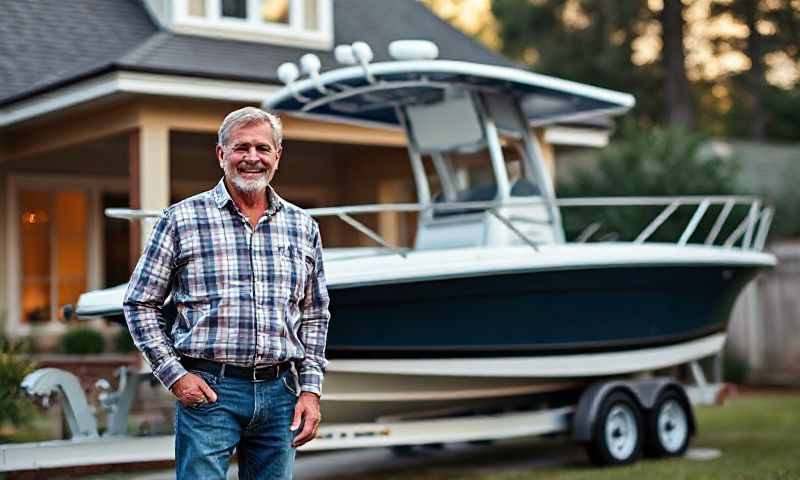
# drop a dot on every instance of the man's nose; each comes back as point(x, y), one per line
point(252, 152)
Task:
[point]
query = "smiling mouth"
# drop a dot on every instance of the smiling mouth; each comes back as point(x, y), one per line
point(259, 171)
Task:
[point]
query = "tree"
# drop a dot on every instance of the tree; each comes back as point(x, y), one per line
point(586, 41)
point(593, 42)
point(772, 29)
point(680, 112)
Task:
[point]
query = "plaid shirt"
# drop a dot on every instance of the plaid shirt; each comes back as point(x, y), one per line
point(244, 296)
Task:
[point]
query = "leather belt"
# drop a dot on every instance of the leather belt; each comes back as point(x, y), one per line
point(255, 374)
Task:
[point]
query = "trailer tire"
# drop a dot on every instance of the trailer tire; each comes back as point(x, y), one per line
point(668, 426)
point(618, 436)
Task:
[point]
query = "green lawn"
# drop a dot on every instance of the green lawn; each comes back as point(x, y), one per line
point(758, 436)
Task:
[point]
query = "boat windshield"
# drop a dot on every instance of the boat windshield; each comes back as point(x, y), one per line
point(470, 177)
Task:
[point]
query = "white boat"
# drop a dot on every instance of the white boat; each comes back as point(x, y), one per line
point(492, 307)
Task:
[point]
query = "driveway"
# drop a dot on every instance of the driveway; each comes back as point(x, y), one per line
point(437, 461)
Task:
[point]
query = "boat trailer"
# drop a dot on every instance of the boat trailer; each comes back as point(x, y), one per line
point(618, 421)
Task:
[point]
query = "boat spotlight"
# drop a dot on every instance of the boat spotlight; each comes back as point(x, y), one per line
point(288, 73)
point(344, 55)
point(413, 50)
point(363, 54)
point(310, 65)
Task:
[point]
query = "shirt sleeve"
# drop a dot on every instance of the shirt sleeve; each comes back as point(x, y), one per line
point(314, 323)
point(147, 290)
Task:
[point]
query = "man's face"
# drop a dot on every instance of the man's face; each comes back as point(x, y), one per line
point(250, 157)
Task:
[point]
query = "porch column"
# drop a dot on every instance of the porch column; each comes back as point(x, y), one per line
point(149, 178)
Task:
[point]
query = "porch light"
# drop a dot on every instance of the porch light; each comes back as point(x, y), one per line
point(34, 217)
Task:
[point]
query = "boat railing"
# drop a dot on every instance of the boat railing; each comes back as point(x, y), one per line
point(749, 234)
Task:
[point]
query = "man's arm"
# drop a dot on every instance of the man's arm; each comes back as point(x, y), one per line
point(314, 323)
point(313, 333)
point(147, 290)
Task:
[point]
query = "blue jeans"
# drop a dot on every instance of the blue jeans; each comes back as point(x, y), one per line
point(251, 417)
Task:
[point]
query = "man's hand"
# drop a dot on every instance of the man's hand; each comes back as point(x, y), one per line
point(306, 413)
point(191, 390)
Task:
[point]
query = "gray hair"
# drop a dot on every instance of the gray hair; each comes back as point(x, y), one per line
point(249, 116)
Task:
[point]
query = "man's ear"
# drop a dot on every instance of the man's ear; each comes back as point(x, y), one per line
point(278, 156)
point(220, 157)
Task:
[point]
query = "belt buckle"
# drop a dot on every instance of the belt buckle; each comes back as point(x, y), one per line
point(255, 374)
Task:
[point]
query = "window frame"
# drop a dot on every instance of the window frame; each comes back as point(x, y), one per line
point(93, 186)
point(293, 34)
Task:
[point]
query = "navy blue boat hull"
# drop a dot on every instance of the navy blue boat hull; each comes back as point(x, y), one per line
point(534, 313)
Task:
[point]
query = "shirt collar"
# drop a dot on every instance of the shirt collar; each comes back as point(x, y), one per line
point(222, 197)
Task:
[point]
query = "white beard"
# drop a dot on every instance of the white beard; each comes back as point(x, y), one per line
point(244, 185)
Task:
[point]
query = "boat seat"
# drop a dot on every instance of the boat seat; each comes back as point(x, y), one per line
point(480, 193)
point(524, 187)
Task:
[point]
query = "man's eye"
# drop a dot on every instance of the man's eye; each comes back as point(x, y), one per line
point(264, 149)
point(241, 148)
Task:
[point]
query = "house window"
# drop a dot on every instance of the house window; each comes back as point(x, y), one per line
point(275, 11)
point(280, 20)
point(234, 8)
point(53, 232)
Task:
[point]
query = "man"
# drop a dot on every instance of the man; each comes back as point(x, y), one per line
point(245, 355)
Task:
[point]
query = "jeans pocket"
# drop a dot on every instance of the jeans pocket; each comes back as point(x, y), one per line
point(209, 378)
point(289, 383)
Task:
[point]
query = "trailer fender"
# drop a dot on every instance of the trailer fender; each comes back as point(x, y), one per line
point(589, 404)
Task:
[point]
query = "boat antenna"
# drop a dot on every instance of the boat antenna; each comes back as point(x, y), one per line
point(288, 73)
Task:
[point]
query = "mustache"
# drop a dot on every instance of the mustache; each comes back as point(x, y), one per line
point(252, 165)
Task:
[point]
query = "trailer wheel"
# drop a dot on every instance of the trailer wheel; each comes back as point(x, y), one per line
point(668, 429)
point(618, 435)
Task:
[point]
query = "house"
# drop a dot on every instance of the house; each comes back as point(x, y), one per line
point(116, 103)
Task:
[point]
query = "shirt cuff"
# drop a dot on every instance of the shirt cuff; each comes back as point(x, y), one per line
point(169, 372)
point(311, 382)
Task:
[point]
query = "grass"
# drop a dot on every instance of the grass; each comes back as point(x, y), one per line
point(758, 436)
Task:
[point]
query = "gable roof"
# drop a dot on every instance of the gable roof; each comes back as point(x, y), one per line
point(45, 44)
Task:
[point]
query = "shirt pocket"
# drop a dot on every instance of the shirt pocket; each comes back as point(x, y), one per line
point(196, 313)
point(292, 271)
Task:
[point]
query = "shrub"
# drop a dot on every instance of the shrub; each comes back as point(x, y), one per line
point(123, 343)
point(82, 341)
point(649, 162)
point(15, 364)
